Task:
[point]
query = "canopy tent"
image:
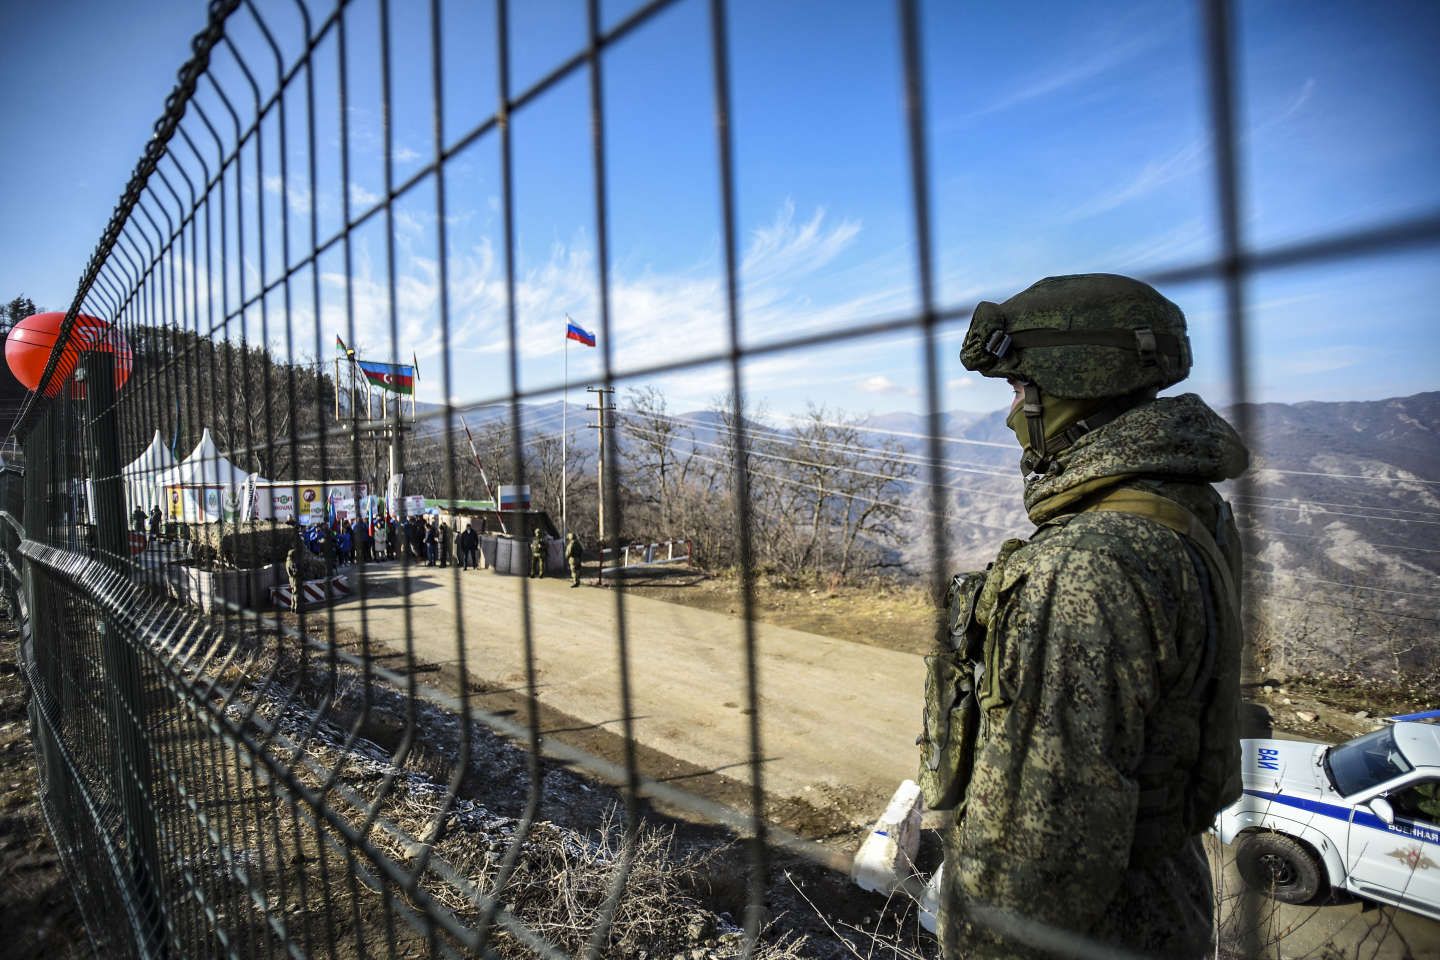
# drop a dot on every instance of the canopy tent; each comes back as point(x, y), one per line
point(142, 475)
point(204, 487)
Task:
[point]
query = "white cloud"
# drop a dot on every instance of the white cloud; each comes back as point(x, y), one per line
point(881, 384)
point(1184, 162)
point(362, 197)
point(962, 383)
point(298, 197)
point(1100, 56)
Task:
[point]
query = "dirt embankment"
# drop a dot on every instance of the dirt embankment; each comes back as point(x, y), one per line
point(37, 912)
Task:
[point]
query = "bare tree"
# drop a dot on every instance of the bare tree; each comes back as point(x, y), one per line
point(659, 450)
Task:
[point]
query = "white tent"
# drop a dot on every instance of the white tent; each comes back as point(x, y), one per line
point(142, 475)
point(204, 487)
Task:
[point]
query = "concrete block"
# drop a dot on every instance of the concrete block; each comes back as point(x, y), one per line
point(887, 856)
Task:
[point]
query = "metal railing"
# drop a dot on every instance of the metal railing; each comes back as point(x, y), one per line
point(240, 783)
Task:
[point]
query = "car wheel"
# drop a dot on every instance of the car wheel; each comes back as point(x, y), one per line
point(1280, 866)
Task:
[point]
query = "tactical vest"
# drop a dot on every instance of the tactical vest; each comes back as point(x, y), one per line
point(962, 682)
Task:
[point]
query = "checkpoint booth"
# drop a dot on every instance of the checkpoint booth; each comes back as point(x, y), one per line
point(505, 535)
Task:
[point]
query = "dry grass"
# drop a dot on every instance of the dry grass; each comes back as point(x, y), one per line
point(879, 613)
point(563, 877)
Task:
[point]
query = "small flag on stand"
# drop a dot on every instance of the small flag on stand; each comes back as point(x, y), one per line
point(573, 331)
point(341, 349)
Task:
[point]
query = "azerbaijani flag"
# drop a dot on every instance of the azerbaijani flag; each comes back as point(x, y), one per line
point(389, 376)
point(341, 349)
point(574, 331)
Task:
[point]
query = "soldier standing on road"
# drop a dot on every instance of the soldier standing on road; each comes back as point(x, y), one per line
point(573, 553)
point(537, 555)
point(1091, 704)
point(293, 560)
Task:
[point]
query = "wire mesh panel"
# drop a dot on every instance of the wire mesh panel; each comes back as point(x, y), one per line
point(277, 712)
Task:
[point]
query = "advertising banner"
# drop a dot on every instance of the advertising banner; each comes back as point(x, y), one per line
point(310, 508)
point(282, 505)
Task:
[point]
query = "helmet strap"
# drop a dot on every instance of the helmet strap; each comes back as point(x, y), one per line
point(1034, 410)
point(1039, 457)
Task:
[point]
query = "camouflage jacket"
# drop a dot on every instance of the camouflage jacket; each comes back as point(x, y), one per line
point(1093, 626)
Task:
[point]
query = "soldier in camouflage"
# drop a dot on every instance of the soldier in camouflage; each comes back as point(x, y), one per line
point(293, 572)
point(1107, 673)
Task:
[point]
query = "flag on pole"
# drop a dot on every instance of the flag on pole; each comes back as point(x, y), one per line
point(573, 331)
point(396, 377)
point(341, 349)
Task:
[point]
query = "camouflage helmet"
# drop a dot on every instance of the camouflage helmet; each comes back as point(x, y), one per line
point(1085, 336)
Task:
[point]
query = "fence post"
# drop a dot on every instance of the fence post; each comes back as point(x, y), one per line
point(128, 709)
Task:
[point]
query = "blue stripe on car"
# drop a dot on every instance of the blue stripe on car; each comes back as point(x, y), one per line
point(1363, 818)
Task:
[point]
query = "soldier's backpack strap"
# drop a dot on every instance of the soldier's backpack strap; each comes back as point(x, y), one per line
point(1214, 780)
point(1163, 510)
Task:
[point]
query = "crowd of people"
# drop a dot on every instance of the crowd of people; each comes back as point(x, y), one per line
point(424, 539)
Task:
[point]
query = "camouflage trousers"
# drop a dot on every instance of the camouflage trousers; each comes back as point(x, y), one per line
point(1161, 910)
point(295, 585)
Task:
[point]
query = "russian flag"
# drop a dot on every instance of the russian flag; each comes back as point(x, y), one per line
point(574, 331)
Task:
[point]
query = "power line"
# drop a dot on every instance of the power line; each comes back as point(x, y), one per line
point(959, 466)
point(1330, 503)
point(1345, 476)
point(917, 481)
point(1311, 536)
point(1345, 606)
point(1340, 583)
point(1334, 513)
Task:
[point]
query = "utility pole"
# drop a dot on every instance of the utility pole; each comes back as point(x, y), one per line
point(603, 408)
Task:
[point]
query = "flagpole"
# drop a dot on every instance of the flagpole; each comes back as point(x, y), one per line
point(565, 435)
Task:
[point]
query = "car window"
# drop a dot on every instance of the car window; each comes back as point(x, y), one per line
point(1366, 761)
point(1419, 802)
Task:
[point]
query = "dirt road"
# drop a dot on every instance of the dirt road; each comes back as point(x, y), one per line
point(838, 719)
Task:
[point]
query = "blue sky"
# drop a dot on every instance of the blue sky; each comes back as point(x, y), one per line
point(1064, 137)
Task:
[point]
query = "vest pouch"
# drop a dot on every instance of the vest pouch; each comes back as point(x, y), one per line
point(951, 720)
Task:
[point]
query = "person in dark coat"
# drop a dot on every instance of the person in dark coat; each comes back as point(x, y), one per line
point(469, 542)
point(155, 523)
point(432, 543)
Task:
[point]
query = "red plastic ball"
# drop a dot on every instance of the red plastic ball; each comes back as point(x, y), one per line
point(28, 348)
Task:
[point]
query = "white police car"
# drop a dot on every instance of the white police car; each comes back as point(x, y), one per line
point(1363, 816)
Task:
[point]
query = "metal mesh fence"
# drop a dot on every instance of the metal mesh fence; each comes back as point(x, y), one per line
point(226, 777)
